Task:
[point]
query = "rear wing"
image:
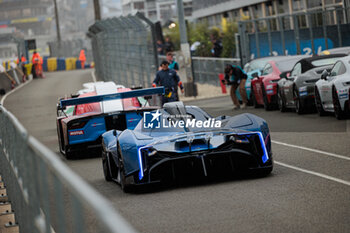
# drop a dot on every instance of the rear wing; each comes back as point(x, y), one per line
point(114, 96)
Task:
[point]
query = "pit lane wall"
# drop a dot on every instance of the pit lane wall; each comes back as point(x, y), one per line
point(45, 194)
point(10, 79)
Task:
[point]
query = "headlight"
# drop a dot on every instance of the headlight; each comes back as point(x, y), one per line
point(269, 87)
point(152, 151)
point(302, 89)
point(346, 83)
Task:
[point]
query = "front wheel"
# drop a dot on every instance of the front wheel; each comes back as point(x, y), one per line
point(338, 112)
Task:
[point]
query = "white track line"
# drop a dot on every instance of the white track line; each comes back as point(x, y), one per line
point(15, 89)
point(314, 173)
point(312, 150)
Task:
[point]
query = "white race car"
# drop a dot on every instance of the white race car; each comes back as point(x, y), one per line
point(332, 90)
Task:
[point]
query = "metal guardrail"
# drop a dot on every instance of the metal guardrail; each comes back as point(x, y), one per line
point(45, 194)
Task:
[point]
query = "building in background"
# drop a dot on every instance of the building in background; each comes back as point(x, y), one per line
point(213, 11)
point(111, 8)
point(35, 19)
point(156, 10)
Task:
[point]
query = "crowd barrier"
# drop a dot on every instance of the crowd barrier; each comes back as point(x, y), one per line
point(10, 79)
point(60, 64)
point(44, 193)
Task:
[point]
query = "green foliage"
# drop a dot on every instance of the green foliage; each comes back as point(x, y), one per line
point(228, 40)
point(202, 33)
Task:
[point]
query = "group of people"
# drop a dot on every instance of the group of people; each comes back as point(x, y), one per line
point(164, 48)
point(168, 77)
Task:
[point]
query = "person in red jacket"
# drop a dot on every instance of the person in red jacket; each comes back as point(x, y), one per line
point(82, 58)
point(37, 69)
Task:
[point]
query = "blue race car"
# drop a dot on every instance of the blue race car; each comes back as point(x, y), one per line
point(169, 143)
point(81, 120)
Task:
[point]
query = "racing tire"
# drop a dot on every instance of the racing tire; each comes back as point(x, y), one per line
point(250, 100)
point(68, 154)
point(318, 102)
point(255, 104)
point(298, 104)
point(121, 173)
point(338, 112)
point(106, 166)
point(267, 106)
point(281, 104)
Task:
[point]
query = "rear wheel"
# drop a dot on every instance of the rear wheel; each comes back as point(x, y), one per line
point(280, 101)
point(298, 105)
point(338, 112)
point(255, 104)
point(106, 166)
point(318, 102)
point(121, 174)
point(267, 106)
point(69, 154)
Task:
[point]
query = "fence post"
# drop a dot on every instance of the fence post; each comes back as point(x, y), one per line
point(296, 31)
point(311, 33)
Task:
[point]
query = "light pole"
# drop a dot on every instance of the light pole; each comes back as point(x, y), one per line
point(97, 10)
point(190, 88)
point(57, 29)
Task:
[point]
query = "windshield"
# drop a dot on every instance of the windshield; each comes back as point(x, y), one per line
point(258, 64)
point(325, 62)
point(286, 65)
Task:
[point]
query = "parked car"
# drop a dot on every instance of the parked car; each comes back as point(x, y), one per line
point(341, 50)
point(297, 90)
point(139, 156)
point(264, 87)
point(254, 67)
point(82, 119)
point(332, 90)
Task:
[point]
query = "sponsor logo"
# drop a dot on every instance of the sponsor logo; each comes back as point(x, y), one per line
point(77, 132)
point(155, 120)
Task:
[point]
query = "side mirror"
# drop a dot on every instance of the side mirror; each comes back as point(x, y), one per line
point(285, 75)
point(324, 75)
point(255, 75)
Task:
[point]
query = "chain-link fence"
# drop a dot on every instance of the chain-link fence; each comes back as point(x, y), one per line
point(298, 33)
point(70, 48)
point(206, 70)
point(124, 50)
point(45, 194)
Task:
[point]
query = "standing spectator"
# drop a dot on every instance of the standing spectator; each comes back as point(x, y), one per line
point(160, 47)
point(82, 58)
point(24, 69)
point(169, 79)
point(216, 48)
point(168, 45)
point(236, 77)
point(172, 63)
point(37, 69)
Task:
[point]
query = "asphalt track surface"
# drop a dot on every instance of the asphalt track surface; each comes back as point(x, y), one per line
point(308, 190)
